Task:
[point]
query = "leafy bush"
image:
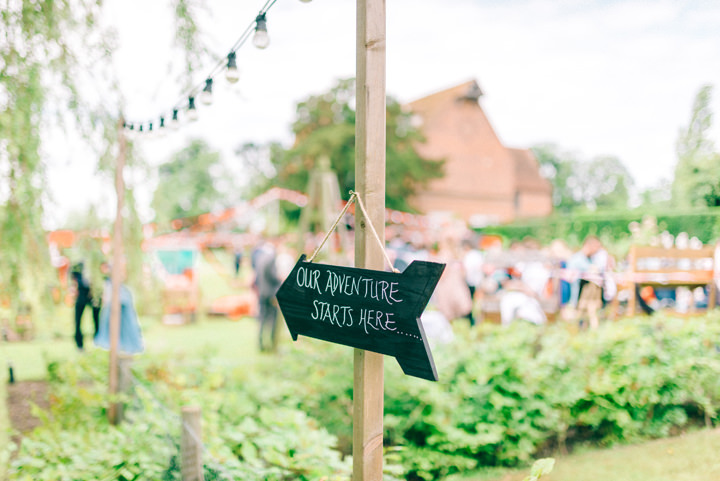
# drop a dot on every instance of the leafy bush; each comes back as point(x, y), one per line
point(243, 439)
point(505, 395)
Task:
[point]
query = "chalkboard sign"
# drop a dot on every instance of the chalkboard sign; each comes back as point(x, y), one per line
point(372, 310)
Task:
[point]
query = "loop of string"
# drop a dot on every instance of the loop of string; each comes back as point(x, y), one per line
point(354, 196)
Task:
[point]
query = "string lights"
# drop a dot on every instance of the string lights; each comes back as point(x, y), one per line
point(204, 91)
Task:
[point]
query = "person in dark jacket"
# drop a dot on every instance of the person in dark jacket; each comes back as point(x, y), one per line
point(84, 297)
point(267, 282)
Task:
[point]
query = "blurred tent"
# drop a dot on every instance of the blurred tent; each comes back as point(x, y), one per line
point(174, 260)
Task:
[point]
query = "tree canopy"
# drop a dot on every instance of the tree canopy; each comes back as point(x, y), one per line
point(325, 126)
point(188, 183)
point(602, 181)
point(697, 173)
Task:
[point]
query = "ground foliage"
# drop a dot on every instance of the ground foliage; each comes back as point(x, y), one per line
point(244, 437)
point(505, 396)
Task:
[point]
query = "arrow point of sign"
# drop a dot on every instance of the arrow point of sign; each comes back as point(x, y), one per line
point(419, 363)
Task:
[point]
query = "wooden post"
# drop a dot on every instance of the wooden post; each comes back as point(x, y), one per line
point(368, 387)
point(633, 269)
point(191, 464)
point(124, 381)
point(117, 272)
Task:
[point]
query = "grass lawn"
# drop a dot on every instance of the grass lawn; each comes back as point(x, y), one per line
point(690, 457)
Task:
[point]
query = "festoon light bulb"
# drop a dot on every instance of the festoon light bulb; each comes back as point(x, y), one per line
point(232, 74)
point(206, 96)
point(192, 111)
point(261, 39)
point(175, 121)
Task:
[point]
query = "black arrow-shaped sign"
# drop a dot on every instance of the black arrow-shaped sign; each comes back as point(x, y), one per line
point(372, 310)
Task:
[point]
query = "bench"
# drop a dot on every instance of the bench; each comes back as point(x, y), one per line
point(662, 267)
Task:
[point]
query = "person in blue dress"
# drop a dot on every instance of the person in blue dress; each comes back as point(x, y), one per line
point(131, 340)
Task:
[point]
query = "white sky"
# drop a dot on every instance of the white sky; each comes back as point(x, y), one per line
point(595, 77)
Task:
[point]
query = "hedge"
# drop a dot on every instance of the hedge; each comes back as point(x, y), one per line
point(704, 224)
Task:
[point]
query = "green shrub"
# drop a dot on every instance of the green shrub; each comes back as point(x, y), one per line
point(243, 439)
point(505, 396)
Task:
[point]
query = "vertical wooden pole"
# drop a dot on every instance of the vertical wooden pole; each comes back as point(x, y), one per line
point(633, 269)
point(125, 362)
point(368, 387)
point(191, 464)
point(117, 270)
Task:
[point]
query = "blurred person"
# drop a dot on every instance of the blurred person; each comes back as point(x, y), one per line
point(130, 340)
point(519, 302)
point(437, 328)
point(451, 295)
point(85, 296)
point(587, 278)
point(522, 291)
point(561, 253)
point(237, 259)
point(606, 265)
point(473, 266)
point(267, 282)
point(284, 261)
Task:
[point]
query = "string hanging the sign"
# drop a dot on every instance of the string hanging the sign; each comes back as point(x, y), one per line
point(354, 196)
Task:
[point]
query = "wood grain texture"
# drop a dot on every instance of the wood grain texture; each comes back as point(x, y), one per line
point(368, 381)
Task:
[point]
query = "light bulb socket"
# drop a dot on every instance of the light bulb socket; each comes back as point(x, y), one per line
point(162, 123)
point(261, 23)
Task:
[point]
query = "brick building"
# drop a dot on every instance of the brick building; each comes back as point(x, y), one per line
point(485, 182)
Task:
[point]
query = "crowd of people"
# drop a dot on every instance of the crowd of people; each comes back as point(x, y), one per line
point(480, 279)
point(486, 281)
point(483, 280)
point(526, 281)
